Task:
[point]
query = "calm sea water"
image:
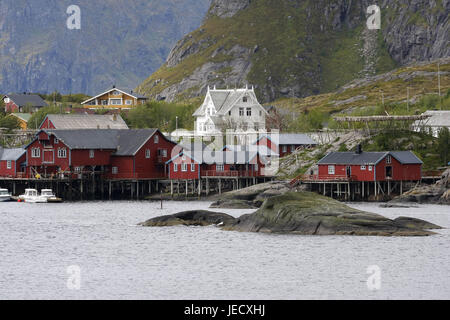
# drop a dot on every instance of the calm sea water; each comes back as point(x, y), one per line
point(119, 260)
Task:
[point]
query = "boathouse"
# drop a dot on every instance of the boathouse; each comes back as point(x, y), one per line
point(83, 121)
point(12, 162)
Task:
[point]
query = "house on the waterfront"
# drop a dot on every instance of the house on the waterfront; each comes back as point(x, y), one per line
point(12, 162)
point(116, 154)
point(435, 122)
point(370, 166)
point(232, 109)
point(83, 121)
point(115, 98)
point(187, 165)
point(23, 102)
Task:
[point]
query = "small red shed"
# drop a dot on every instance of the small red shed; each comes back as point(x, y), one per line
point(12, 162)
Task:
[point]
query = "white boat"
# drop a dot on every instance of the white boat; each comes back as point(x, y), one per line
point(49, 195)
point(32, 196)
point(4, 195)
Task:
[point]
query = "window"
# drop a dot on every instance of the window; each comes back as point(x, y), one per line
point(115, 170)
point(244, 99)
point(35, 153)
point(370, 168)
point(175, 167)
point(105, 102)
point(229, 113)
point(156, 139)
point(331, 170)
point(220, 167)
point(241, 112)
point(56, 140)
point(8, 164)
point(128, 102)
point(116, 102)
point(389, 159)
point(116, 93)
point(77, 169)
point(7, 100)
point(184, 167)
point(284, 148)
point(260, 113)
point(192, 167)
point(62, 153)
point(292, 148)
point(363, 168)
point(162, 153)
point(91, 154)
point(147, 153)
point(256, 167)
point(249, 112)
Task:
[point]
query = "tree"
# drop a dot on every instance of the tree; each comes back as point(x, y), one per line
point(9, 123)
point(443, 145)
point(37, 117)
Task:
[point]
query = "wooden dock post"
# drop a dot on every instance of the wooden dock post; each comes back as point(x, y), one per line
point(220, 186)
point(171, 188)
point(110, 190)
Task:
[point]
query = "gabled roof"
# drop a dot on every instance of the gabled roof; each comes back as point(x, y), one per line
point(23, 100)
point(368, 158)
point(11, 154)
point(123, 90)
point(124, 142)
point(22, 116)
point(86, 121)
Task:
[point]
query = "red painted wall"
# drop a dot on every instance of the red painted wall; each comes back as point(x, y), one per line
point(184, 175)
point(11, 107)
point(47, 124)
point(15, 167)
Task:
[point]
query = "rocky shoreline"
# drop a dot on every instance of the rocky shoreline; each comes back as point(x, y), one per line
point(302, 213)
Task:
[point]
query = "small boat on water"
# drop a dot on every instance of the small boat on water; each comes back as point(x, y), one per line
point(4, 195)
point(32, 196)
point(50, 196)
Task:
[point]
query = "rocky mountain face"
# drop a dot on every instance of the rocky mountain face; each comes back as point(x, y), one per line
point(298, 48)
point(120, 42)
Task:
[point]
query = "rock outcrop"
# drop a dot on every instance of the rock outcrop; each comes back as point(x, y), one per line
point(303, 213)
point(438, 193)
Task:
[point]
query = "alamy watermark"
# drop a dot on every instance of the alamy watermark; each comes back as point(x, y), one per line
point(374, 20)
point(74, 279)
point(74, 19)
point(374, 280)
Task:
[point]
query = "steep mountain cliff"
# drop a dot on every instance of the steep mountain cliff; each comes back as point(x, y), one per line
point(299, 48)
point(120, 41)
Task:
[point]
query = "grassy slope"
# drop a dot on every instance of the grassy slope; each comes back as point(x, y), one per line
point(289, 43)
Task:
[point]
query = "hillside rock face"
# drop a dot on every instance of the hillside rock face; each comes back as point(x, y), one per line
point(120, 42)
point(299, 47)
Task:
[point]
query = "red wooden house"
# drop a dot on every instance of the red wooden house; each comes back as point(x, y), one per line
point(188, 165)
point(370, 166)
point(12, 162)
point(121, 154)
point(20, 102)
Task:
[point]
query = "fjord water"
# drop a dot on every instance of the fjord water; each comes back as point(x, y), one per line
point(120, 260)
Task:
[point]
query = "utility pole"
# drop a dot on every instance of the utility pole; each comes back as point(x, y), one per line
point(439, 85)
point(407, 99)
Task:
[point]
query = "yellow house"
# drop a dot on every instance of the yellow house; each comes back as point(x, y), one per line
point(115, 98)
point(23, 119)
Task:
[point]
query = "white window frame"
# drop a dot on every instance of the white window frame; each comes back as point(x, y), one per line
point(175, 167)
point(156, 139)
point(363, 168)
point(35, 152)
point(389, 159)
point(115, 170)
point(162, 153)
point(220, 167)
point(9, 164)
point(56, 140)
point(128, 102)
point(331, 169)
point(248, 112)
point(370, 168)
point(120, 102)
point(7, 100)
point(147, 153)
point(192, 167)
point(241, 112)
point(184, 167)
point(77, 169)
point(91, 154)
point(284, 148)
point(62, 153)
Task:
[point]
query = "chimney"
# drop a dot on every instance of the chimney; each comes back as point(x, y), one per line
point(358, 149)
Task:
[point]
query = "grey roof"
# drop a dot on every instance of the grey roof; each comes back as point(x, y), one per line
point(295, 138)
point(23, 100)
point(194, 146)
point(368, 158)
point(11, 154)
point(261, 149)
point(220, 157)
point(87, 121)
point(125, 142)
